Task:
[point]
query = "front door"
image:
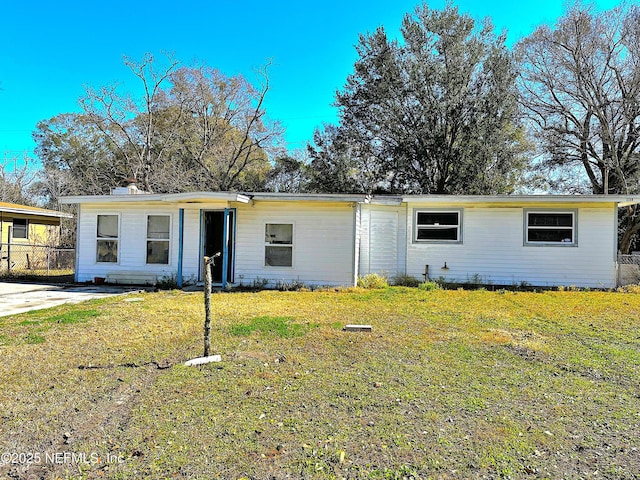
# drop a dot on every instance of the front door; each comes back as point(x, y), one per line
point(218, 229)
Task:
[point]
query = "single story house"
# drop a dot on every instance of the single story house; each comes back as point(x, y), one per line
point(23, 224)
point(24, 232)
point(318, 239)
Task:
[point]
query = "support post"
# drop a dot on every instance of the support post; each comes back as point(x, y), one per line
point(208, 281)
point(9, 240)
point(180, 245)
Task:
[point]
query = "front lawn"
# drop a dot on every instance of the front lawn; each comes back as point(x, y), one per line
point(449, 384)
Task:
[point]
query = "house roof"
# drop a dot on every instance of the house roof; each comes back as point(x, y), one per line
point(28, 210)
point(475, 200)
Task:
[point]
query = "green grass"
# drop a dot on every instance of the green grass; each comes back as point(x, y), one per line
point(34, 339)
point(449, 384)
point(283, 327)
point(39, 321)
point(80, 316)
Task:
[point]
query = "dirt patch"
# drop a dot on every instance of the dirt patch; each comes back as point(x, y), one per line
point(64, 453)
point(526, 353)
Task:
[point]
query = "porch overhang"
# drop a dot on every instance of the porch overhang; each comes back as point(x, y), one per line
point(12, 208)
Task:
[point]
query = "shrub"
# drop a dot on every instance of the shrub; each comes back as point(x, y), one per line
point(629, 289)
point(291, 286)
point(429, 286)
point(404, 280)
point(169, 282)
point(372, 280)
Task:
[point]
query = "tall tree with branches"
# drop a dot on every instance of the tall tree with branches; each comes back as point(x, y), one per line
point(435, 113)
point(580, 84)
point(16, 178)
point(131, 126)
point(225, 134)
point(191, 128)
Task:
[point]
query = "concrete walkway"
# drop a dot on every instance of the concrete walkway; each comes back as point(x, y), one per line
point(18, 297)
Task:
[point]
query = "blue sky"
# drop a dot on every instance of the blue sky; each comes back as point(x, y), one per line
point(51, 50)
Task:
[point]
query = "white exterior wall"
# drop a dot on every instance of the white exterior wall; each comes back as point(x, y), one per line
point(492, 250)
point(323, 243)
point(132, 243)
point(333, 242)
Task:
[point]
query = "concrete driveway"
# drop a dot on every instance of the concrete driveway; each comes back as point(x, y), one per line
point(18, 297)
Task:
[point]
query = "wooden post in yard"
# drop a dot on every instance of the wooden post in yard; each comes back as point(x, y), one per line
point(208, 281)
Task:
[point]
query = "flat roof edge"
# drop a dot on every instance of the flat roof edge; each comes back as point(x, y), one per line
point(203, 197)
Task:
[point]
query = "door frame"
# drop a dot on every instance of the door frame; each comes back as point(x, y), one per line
point(229, 222)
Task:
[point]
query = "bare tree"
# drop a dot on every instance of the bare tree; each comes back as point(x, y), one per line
point(192, 128)
point(581, 87)
point(225, 134)
point(130, 126)
point(16, 177)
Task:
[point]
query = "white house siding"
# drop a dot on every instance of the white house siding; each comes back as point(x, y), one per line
point(132, 246)
point(493, 251)
point(323, 243)
point(383, 240)
point(335, 241)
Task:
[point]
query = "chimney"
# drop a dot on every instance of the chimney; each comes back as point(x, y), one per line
point(130, 188)
point(132, 185)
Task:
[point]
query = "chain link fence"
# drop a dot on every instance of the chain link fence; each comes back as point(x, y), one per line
point(628, 270)
point(38, 261)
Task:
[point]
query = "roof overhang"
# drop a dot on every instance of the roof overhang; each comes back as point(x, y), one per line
point(309, 197)
point(188, 197)
point(205, 197)
point(40, 212)
point(390, 200)
point(208, 197)
point(511, 200)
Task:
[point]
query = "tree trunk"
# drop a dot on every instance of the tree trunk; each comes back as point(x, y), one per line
point(629, 233)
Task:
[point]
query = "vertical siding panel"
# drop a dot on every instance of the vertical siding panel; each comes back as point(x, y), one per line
point(357, 233)
point(191, 246)
point(383, 234)
point(365, 222)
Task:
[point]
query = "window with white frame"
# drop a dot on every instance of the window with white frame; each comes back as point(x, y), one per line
point(158, 238)
point(20, 228)
point(107, 239)
point(278, 250)
point(550, 227)
point(437, 226)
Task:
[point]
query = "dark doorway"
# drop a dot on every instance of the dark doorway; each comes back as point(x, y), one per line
point(218, 237)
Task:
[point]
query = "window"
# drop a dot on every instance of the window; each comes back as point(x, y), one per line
point(20, 228)
point(158, 228)
point(107, 239)
point(437, 226)
point(550, 228)
point(278, 251)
